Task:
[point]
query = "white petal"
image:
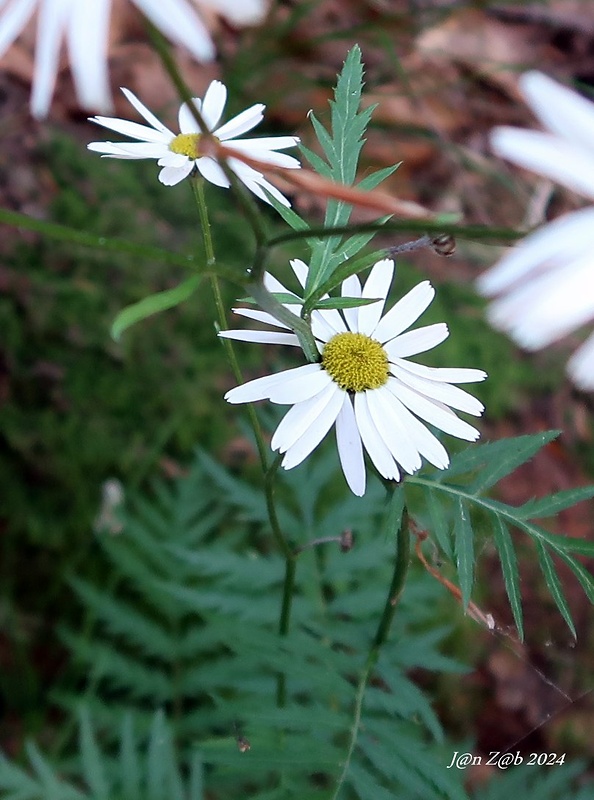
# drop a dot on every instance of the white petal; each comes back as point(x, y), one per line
point(300, 270)
point(316, 432)
point(51, 26)
point(180, 23)
point(403, 313)
point(256, 182)
point(581, 365)
point(87, 34)
point(210, 170)
point(14, 19)
point(213, 104)
point(248, 12)
point(144, 150)
point(268, 157)
point(274, 285)
point(377, 285)
point(442, 392)
point(264, 337)
point(299, 418)
point(417, 341)
point(432, 412)
point(259, 316)
point(372, 440)
point(551, 246)
point(310, 381)
point(185, 119)
point(132, 129)
point(260, 146)
point(561, 110)
point(326, 324)
point(446, 374)
point(548, 307)
point(146, 114)
point(350, 450)
point(391, 427)
point(242, 123)
point(351, 287)
point(171, 159)
point(171, 176)
point(260, 388)
point(425, 442)
point(560, 160)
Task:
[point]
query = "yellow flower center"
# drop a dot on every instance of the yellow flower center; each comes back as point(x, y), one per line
point(355, 362)
point(186, 144)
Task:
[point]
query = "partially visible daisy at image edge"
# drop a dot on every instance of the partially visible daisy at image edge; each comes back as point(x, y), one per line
point(84, 25)
point(544, 287)
point(364, 383)
point(179, 155)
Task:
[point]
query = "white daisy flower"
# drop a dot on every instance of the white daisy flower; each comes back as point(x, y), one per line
point(179, 154)
point(84, 25)
point(364, 382)
point(545, 285)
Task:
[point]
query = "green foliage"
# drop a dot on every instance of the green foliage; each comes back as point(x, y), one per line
point(191, 626)
point(556, 782)
point(154, 774)
point(454, 504)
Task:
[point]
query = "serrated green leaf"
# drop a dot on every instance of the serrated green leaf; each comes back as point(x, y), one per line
point(375, 178)
point(318, 163)
point(581, 573)
point(464, 549)
point(161, 301)
point(549, 506)
point(509, 568)
point(552, 580)
point(345, 270)
point(495, 459)
point(290, 216)
point(324, 139)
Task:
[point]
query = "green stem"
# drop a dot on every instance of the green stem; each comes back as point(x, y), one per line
point(432, 227)
point(401, 563)
point(197, 185)
point(269, 471)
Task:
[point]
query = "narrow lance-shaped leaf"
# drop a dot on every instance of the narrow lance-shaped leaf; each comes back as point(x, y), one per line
point(495, 459)
point(554, 503)
point(509, 568)
point(581, 573)
point(161, 301)
point(554, 584)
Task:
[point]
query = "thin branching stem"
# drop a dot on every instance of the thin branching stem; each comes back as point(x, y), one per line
point(401, 562)
point(430, 227)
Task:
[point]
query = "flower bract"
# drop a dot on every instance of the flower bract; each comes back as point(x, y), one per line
point(544, 287)
point(364, 383)
point(179, 154)
point(84, 26)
